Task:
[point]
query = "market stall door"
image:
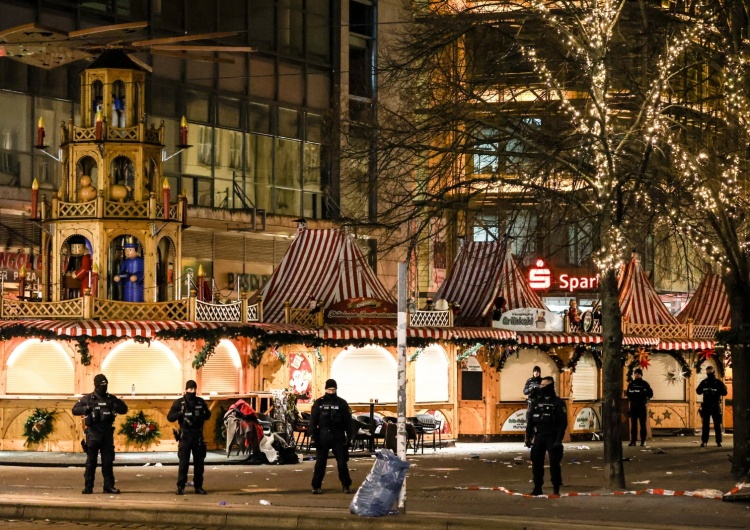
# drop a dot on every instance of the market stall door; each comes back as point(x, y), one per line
point(472, 408)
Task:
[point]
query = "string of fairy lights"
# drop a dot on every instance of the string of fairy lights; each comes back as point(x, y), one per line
point(588, 35)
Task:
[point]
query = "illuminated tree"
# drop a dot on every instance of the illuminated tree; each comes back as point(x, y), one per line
point(705, 189)
point(501, 105)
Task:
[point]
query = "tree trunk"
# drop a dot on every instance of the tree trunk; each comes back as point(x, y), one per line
point(614, 474)
point(738, 291)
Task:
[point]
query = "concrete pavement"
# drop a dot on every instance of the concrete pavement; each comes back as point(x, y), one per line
point(444, 489)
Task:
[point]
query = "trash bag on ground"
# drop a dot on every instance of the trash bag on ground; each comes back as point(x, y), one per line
point(287, 453)
point(381, 488)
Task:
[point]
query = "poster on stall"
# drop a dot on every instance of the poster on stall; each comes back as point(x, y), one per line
point(515, 422)
point(586, 420)
point(300, 377)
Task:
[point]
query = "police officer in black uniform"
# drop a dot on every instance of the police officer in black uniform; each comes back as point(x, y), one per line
point(638, 392)
point(545, 429)
point(99, 410)
point(331, 428)
point(191, 411)
point(533, 384)
point(712, 389)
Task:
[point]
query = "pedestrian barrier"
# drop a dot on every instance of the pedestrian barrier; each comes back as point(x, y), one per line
point(649, 491)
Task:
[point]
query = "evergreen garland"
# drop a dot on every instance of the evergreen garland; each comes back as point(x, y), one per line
point(140, 430)
point(580, 351)
point(38, 426)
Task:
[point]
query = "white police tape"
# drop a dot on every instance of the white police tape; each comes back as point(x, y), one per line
point(700, 494)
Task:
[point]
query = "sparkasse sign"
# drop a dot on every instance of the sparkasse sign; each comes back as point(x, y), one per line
point(541, 278)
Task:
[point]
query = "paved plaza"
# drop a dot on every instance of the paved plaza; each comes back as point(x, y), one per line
point(467, 486)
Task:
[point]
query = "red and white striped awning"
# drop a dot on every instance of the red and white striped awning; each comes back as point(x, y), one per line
point(429, 333)
point(484, 270)
point(109, 328)
point(672, 345)
point(709, 304)
point(275, 328)
point(482, 333)
point(640, 341)
point(374, 332)
point(324, 264)
point(639, 302)
point(371, 332)
point(558, 338)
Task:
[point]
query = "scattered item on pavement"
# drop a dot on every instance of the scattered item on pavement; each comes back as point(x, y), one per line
point(583, 448)
point(642, 482)
point(223, 503)
point(380, 490)
point(264, 502)
point(475, 456)
point(659, 451)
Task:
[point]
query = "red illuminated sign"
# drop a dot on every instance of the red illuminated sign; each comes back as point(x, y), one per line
point(540, 278)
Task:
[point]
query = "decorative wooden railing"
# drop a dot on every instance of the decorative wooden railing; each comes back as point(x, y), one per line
point(208, 312)
point(126, 210)
point(254, 312)
point(102, 208)
point(67, 309)
point(115, 310)
point(88, 307)
point(437, 319)
point(303, 316)
point(670, 331)
point(137, 133)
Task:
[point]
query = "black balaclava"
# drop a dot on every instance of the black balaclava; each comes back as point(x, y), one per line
point(548, 390)
point(190, 396)
point(100, 385)
point(710, 374)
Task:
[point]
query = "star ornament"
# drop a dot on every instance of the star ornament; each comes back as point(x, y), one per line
point(643, 359)
point(706, 355)
point(674, 375)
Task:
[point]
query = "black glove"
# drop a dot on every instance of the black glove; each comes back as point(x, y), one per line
point(557, 445)
point(527, 443)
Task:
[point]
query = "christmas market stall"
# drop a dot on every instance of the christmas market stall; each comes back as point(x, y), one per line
point(109, 298)
point(325, 283)
point(707, 309)
point(490, 289)
point(669, 365)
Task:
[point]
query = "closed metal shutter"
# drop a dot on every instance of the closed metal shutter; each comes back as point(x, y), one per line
point(657, 375)
point(517, 370)
point(154, 370)
point(229, 247)
point(366, 373)
point(260, 250)
point(37, 367)
point(221, 372)
point(431, 375)
point(585, 379)
point(197, 244)
point(279, 249)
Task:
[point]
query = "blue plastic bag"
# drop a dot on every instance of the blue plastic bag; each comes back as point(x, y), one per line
point(381, 488)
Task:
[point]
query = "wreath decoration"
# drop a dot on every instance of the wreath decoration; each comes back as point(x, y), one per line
point(140, 430)
point(38, 426)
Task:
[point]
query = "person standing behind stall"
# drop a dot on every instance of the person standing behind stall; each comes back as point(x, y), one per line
point(191, 412)
point(533, 384)
point(712, 390)
point(99, 410)
point(331, 429)
point(638, 392)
